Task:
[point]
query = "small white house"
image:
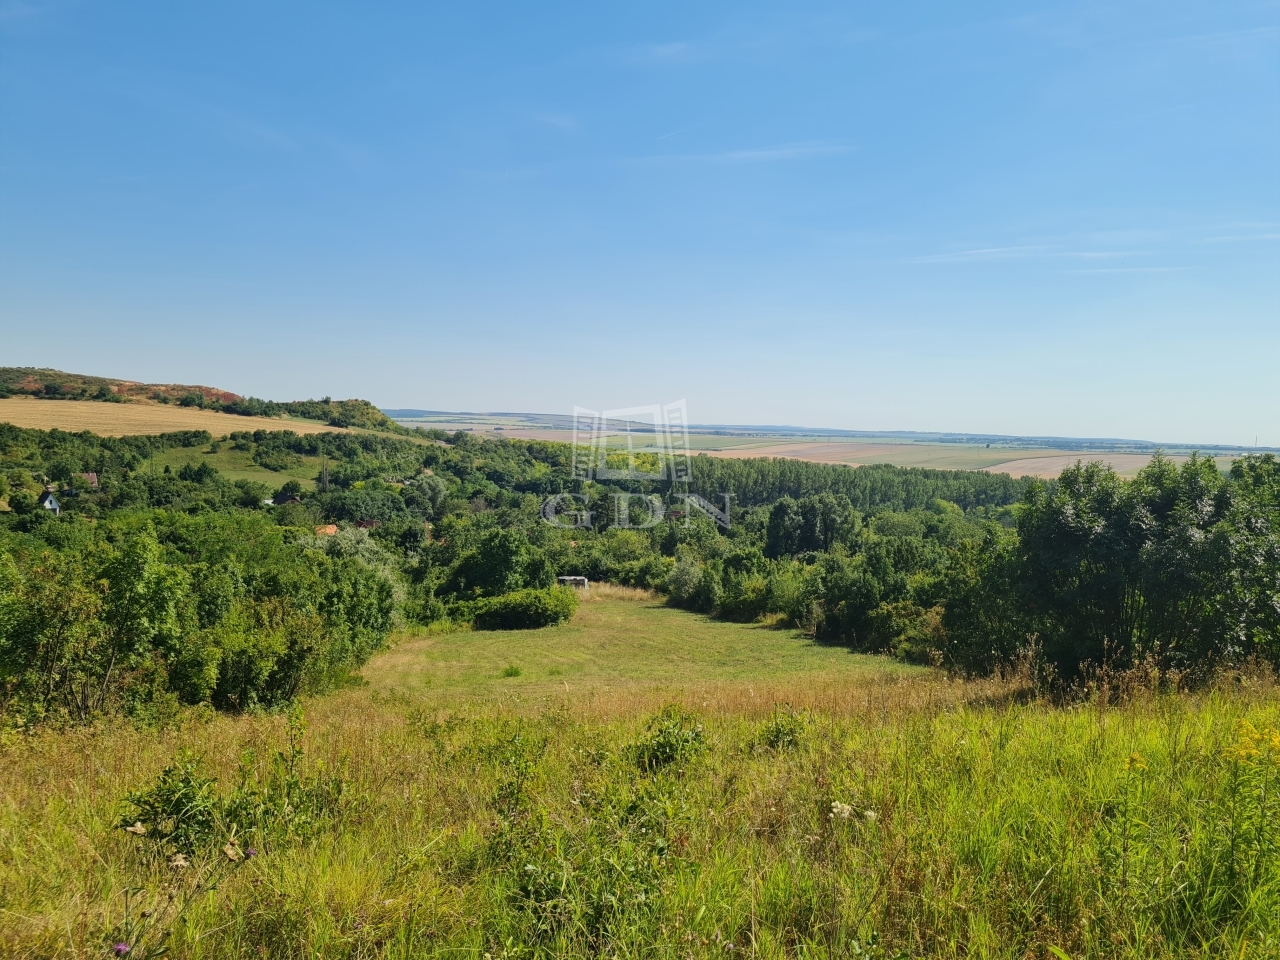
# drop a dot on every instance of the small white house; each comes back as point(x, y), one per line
point(50, 502)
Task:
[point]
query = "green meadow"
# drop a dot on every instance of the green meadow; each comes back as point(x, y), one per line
point(620, 640)
point(238, 465)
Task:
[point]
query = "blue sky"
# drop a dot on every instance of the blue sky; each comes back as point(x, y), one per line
point(1007, 218)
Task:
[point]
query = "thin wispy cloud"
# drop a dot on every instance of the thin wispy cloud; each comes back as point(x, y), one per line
point(668, 51)
point(1127, 270)
point(1031, 252)
point(665, 54)
point(511, 174)
point(1242, 238)
point(1103, 254)
point(1226, 37)
point(251, 132)
point(778, 153)
point(676, 133)
point(18, 10)
point(985, 253)
point(786, 151)
point(560, 121)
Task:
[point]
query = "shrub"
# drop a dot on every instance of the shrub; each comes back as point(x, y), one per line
point(670, 736)
point(22, 502)
point(908, 631)
point(179, 811)
point(527, 609)
point(184, 812)
point(745, 598)
point(684, 580)
point(783, 730)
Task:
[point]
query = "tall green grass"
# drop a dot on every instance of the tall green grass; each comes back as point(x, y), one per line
point(934, 820)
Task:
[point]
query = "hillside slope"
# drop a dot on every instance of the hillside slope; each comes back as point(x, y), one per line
point(50, 384)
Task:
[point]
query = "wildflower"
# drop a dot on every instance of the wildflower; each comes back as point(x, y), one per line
point(232, 850)
point(1246, 748)
point(120, 949)
point(179, 861)
point(1135, 762)
point(250, 853)
point(870, 815)
point(841, 811)
point(137, 828)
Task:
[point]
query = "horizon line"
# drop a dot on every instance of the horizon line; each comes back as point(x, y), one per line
point(551, 421)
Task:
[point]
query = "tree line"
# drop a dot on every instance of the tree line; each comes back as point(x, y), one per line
point(179, 585)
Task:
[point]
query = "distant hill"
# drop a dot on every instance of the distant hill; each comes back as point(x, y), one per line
point(59, 385)
point(50, 384)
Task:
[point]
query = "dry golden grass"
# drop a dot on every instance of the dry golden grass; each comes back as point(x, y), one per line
point(615, 591)
point(131, 419)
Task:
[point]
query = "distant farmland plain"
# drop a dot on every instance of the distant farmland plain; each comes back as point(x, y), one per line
point(121, 419)
point(1019, 461)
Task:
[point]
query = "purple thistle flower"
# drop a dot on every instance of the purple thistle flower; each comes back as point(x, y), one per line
point(120, 949)
point(250, 853)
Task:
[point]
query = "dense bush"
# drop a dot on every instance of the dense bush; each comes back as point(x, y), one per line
point(1180, 567)
point(222, 609)
point(526, 609)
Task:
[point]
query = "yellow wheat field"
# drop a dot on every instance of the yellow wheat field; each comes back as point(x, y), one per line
point(131, 419)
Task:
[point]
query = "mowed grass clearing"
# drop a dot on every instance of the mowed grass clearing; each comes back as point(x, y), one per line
point(135, 419)
point(619, 641)
point(239, 465)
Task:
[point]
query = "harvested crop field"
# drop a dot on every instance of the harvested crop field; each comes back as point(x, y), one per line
point(132, 419)
point(1125, 464)
point(937, 456)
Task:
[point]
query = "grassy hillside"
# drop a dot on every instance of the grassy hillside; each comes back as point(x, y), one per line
point(680, 798)
point(60, 385)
